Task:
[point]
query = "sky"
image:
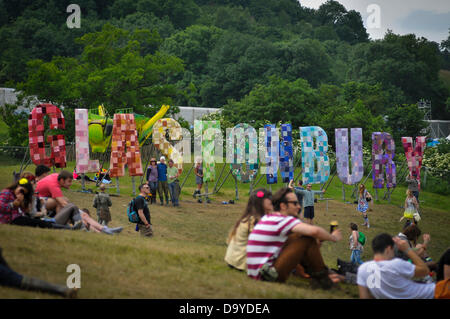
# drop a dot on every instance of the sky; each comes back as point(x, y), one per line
point(425, 18)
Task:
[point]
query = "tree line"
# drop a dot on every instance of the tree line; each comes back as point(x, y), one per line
point(262, 61)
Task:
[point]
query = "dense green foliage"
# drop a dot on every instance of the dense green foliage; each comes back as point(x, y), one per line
point(267, 60)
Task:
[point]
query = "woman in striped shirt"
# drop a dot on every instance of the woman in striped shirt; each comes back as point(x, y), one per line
point(280, 241)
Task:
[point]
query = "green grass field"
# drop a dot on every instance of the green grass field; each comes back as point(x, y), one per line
point(185, 257)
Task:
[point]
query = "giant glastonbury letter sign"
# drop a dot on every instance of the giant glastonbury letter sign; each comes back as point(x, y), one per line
point(286, 153)
point(342, 162)
point(36, 129)
point(413, 154)
point(383, 159)
point(84, 164)
point(309, 154)
point(242, 147)
point(171, 129)
point(272, 144)
point(124, 134)
point(208, 144)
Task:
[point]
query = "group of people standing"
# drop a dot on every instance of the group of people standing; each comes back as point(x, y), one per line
point(164, 180)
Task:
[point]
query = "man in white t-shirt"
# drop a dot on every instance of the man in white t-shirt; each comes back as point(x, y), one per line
point(387, 277)
point(280, 241)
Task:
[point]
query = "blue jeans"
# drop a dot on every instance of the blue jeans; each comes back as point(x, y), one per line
point(9, 277)
point(356, 257)
point(173, 189)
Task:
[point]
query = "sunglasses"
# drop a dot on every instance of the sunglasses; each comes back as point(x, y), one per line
point(295, 202)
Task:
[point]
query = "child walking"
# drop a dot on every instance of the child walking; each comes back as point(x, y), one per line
point(102, 202)
point(355, 245)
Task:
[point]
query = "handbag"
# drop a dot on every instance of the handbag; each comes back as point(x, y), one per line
point(416, 216)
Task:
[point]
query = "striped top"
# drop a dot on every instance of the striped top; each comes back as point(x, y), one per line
point(266, 240)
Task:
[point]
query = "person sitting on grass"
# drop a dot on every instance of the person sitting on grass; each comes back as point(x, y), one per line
point(299, 194)
point(49, 188)
point(387, 277)
point(280, 241)
point(411, 234)
point(10, 278)
point(41, 172)
point(16, 201)
point(259, 203)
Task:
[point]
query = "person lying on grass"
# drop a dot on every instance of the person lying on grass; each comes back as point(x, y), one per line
point(280, 241)
point(10, 278)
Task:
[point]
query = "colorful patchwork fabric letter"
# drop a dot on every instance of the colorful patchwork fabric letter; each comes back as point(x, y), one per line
point(413, 154)
point(242, 147)
point(272, 152)
point(84, 164)
point(209, 136)
point(124, 134)
point(286, 153)
point(36, 129)
point(163, 130)
point(383, 158)
point(342, 159)
point(309, 154)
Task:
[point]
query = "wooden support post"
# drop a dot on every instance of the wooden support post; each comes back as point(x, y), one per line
point(133, 182)
point(117, 185)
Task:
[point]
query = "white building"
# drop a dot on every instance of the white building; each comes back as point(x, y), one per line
point(190, 113)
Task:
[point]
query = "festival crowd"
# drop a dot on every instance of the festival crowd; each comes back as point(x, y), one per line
point(271, 241)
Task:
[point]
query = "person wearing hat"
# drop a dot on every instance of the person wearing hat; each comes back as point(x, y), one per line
point(162, 181)
point(152, 179)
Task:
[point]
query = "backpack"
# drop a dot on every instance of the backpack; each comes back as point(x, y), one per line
point(362, 238)
point(132, 214)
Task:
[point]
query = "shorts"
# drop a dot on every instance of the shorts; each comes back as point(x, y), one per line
point(309, 212)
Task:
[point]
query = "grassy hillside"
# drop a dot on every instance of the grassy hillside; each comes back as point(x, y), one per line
point(185, 257)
